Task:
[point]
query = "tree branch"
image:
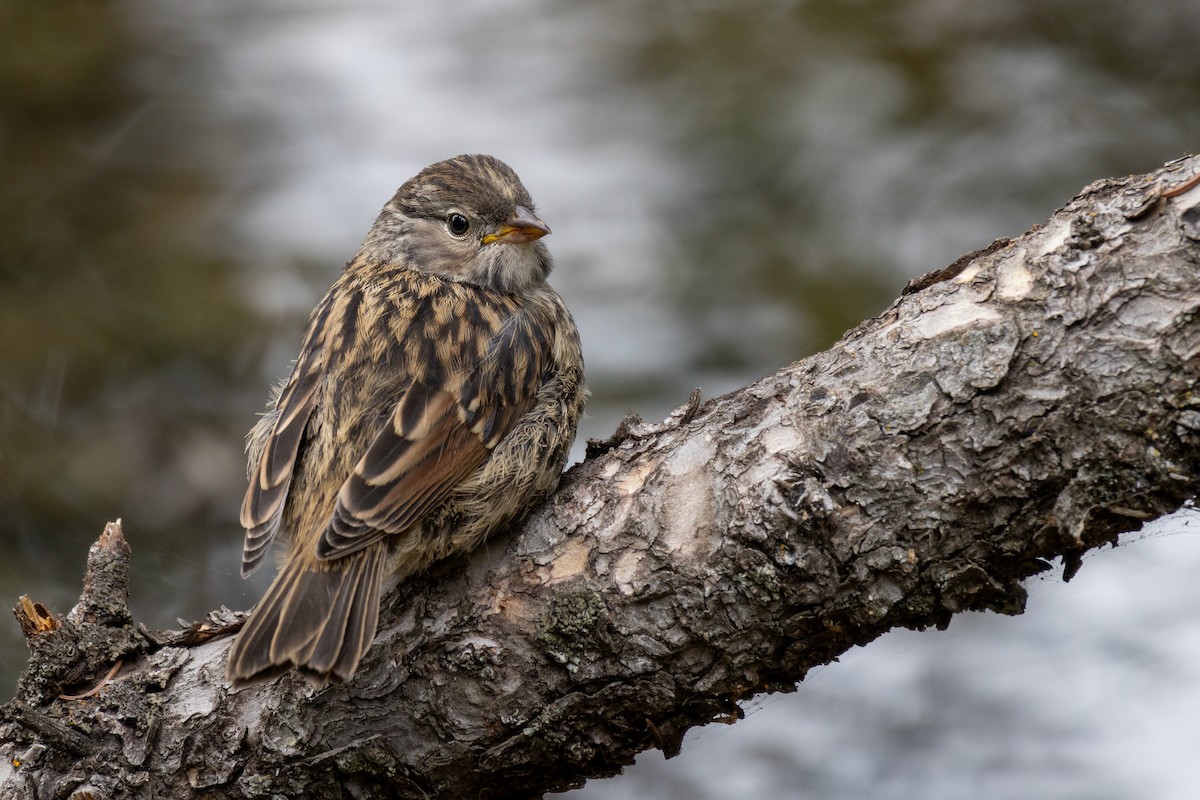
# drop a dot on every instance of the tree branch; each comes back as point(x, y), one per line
point(1034, 400)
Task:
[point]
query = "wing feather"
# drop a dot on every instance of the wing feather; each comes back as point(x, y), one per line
point(262, 508)
point(437, 437)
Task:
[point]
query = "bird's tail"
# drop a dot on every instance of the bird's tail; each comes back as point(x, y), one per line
point(320, 621)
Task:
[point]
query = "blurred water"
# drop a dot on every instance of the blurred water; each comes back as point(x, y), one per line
point(730, 185)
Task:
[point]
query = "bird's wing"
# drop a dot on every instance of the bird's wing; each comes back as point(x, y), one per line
point(279, 449)
point(271, 477)
point(441, 430)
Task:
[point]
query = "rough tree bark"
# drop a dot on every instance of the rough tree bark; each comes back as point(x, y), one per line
point(1031, 401)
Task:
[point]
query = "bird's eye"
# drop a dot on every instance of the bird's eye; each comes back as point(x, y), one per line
point(457, 224)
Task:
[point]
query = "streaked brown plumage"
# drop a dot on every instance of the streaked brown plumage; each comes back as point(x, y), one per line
point(434, 400)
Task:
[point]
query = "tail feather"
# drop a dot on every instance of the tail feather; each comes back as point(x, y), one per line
point(321, 621)
point(342, 638)
point(361, 623)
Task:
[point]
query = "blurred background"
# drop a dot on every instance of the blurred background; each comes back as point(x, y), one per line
point(731, 186)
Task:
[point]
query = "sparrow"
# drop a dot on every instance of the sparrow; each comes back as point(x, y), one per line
point(434, 402)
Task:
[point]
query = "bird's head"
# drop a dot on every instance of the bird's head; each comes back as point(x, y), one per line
point(468, 218)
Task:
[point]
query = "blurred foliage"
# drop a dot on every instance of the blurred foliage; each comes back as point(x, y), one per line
point(120, 328)
point(814, 134)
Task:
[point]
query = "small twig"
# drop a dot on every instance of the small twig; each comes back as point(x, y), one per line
point(658, 737)
point(1181, 188)
point(1157, 194)
point(50, 729)
point(34, 618)
point(111, 674)
point(342, 749)
point(633, 427)
point(952, 271)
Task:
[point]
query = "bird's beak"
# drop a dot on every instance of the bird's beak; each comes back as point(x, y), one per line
point(521, 226)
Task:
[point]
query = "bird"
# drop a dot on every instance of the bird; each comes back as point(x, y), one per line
point(434, 402)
